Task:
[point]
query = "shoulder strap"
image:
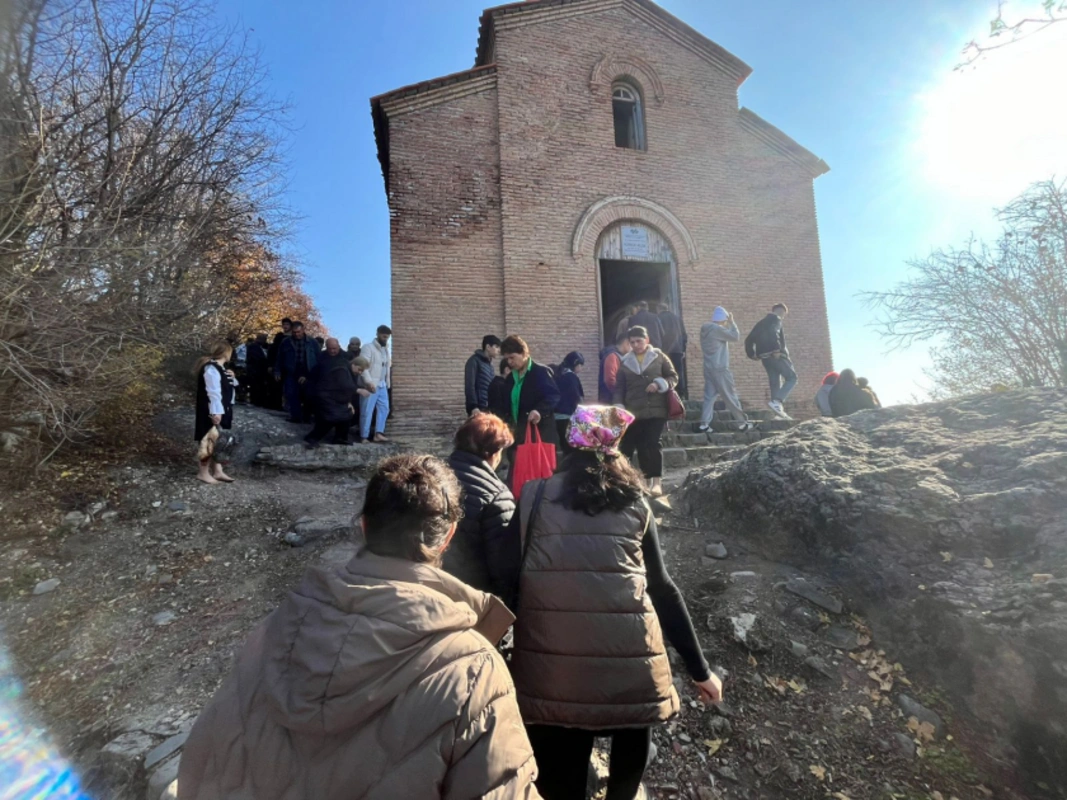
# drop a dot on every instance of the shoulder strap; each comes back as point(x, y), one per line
point(526, 526)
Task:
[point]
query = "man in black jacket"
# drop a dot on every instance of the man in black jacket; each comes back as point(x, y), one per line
point(650, 322)
point(478, 374)
point(531, 392)
point(766, 343)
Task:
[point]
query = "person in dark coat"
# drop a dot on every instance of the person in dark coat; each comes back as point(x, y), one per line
point(355, 348)
point(766, 343)
point(865, 384)
point(847, 397)
point(256, 371)
point(650, 322)
point(297, 357)
point(571, 393)
point(532, 394)
point(214, 408)
point(675, 344)
point(331, 387)
point(485, 552)
point(478, 374)
point(498, 391)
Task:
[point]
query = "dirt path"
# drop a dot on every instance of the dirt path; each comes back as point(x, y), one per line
point(160, 586)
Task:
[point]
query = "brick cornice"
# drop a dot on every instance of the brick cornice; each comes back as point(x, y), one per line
point(786, 145)
point(611, 210)
point(457, 86)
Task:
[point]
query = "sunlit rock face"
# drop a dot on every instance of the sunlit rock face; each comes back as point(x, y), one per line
point(947, 525)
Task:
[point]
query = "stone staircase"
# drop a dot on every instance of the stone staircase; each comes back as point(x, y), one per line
point(685, 446)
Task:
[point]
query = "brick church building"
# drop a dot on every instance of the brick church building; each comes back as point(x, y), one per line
point(594, 155)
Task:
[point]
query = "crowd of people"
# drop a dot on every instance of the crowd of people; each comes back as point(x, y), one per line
point(343, 394)
point(386, 678)
point(843, 393)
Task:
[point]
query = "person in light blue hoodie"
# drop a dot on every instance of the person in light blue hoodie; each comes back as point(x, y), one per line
point(715, 338)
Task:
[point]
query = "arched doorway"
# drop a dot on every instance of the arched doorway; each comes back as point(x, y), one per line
point(634, 262)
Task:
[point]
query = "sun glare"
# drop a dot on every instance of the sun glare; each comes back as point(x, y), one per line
point(988, 131)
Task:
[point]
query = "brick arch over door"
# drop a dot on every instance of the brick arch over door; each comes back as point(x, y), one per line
point(611, 210)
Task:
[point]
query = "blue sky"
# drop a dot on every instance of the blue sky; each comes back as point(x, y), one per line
point(919, 154)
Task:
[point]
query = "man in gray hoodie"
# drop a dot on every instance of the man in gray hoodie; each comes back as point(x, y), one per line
point(715, 338)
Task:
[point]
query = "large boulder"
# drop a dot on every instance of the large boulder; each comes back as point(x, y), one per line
point(946, 524)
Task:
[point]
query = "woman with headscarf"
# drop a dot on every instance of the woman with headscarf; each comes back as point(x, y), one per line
point(595, 601)
point(214, 409)
point(377, 680)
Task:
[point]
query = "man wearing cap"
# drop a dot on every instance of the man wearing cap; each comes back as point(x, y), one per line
point(355, 347)
point(715, 338)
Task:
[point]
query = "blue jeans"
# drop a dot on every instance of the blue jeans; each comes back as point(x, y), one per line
point(782, 377)
point(367, 405)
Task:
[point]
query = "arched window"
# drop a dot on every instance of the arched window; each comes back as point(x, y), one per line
point(629, 115)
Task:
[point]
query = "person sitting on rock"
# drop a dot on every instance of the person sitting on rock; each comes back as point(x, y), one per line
point(865, 384)
point(822, 397)
point(377, 680)
point(847, 397)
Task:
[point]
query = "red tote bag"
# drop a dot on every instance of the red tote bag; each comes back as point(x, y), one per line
point(533, 460)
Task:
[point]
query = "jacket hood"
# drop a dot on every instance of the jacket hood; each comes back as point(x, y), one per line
point(347, 642)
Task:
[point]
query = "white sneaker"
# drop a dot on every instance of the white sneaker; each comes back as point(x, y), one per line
point(747, 426)
point(775, 406)
point(703, 427)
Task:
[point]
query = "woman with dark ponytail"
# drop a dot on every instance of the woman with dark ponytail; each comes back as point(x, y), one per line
point(595, 601)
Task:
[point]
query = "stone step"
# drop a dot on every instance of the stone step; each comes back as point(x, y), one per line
point(723, 426)
point(693, 412)
point(731, 439)
point(681, 457)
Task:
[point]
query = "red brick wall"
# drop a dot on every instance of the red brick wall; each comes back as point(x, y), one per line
point(749, 209)
point(446, 259)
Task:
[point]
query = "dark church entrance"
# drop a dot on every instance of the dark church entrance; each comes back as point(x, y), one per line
point(624, 283)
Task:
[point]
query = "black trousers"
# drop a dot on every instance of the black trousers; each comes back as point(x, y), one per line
point(563, 760)
point(644, 437)
point(318, 433)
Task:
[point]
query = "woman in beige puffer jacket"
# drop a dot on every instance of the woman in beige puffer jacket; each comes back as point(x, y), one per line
point(378, 680)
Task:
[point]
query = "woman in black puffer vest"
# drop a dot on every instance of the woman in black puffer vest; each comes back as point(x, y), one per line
point(485, 552)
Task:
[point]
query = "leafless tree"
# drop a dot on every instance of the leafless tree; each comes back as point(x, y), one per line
point(997, 315)
point(1005, 30)
point(139, 167)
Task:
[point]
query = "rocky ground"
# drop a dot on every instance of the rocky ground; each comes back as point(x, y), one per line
point(123, 604)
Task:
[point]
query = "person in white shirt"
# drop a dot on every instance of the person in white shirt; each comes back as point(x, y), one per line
point(376, 379)
point(214, 408)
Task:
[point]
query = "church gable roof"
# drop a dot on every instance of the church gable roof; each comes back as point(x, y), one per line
point(530, 12)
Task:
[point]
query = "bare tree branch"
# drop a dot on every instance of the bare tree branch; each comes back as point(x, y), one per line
point(996, 316)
